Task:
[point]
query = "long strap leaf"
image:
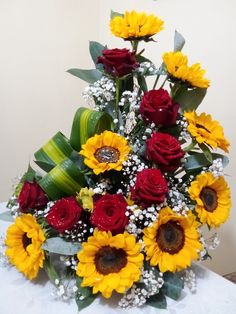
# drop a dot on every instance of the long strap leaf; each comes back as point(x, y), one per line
point(86, 123)
point(53, 152)
point(63, 180)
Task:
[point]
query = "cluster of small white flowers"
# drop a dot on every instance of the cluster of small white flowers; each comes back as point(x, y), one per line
point(147, 68)
point(4, 262)
point(189, 279)
point(103, 186)
point(64, 290)
point(177, 201)
point(69, 261)
point(44, 212)
point(137, 296)
point(216, 168)
point(141, 218)
point(132, 99)
point(79, 232)
point(131, 167)
point(203, 253)
point(184, 134)
point(101, 92)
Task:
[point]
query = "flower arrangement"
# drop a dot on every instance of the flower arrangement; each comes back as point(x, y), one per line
point(122, 202)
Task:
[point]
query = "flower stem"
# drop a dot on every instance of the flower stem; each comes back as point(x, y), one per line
point(156, 81)
point(117, 97)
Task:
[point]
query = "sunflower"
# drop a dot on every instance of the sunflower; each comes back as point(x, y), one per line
point(134, 25)
point(24, 240)
point(109, 263)
point(206, 130)
point(172, 242)
point(177, 66)
point(106, 151)
point(212, 196)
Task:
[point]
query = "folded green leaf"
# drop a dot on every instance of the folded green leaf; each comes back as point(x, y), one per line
point(53, 152)
point(158, 301)
point(63, 180)
point(206, 151)
point(6, 216)
point(179, 41)
point(86, 124)
point(90, 76)
point(173, 285)
point(60, 246)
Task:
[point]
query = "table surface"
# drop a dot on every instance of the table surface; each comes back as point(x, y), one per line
point(215, 295)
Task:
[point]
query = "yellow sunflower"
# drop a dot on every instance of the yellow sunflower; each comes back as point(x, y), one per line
point(172, 242)
point(134, 25)
point(212, 196)
point(109, 263)
point(177, 66)
point(106, 151)
point(24, 240)
point(206, 130)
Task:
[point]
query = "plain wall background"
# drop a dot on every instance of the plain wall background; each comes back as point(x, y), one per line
point(41, 39)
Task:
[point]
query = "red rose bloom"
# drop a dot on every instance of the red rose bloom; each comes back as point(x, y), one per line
point(157, 106)
point(150, 187)
point(165, 151)
point(64, 214)
point(31, 197)
point(109, 213)
point(118, 62)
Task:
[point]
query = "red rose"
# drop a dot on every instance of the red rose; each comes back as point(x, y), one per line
point(157, 106)
point(64, 214)
point(109, 213)
point(165, 151)
point(150, 187)
point(31, 197)
point(118, 62)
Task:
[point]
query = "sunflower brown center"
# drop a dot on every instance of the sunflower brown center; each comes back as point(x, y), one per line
point(209, 198)
point(107, 154)
point(170, 237)
point(26, 241)
point(110, 260)
point(202, 127)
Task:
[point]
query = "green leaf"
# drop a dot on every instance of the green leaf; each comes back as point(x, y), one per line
point(53, 152)
point(141, 59)
point(199, 160)
point(50, 269)
point(158, 301)
point(60, 246)
point(179, 41)
point(29, 175)
point(207, 152)
point(84, 296)
point(142, 83)
point(65, 179)
point(114, 14)
point(86, 124)
point(173, 285)
point(95, 49)
point(6, 216)
point(89, 76)
point(190, 99)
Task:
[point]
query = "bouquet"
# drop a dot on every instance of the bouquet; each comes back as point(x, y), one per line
point(120, 205)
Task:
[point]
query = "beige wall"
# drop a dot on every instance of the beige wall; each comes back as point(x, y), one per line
point(41, 39)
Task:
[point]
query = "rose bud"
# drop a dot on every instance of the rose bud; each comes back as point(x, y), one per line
point(64, 214)
point(150, 188)
point(165, 150)
point(109, 213)
point(31, 196)
point(158, 107)
point(118, 62)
